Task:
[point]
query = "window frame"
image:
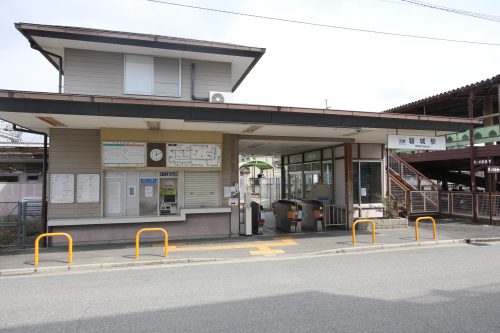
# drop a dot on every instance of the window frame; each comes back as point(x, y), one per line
point(152, 83)
point(358, 163)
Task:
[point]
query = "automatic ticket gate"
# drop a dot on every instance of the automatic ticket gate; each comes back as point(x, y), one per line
point(258, 218)
point(312, 215)
point(288, 215)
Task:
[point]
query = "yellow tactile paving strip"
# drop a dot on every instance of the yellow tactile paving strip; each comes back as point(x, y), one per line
point(260, 248)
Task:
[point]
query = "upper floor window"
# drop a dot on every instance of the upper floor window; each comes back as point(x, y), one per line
point(147, 75)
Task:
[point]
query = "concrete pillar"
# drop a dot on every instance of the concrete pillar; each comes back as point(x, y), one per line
point(348, 183)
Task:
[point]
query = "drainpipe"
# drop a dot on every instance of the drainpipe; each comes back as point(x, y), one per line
point(44, 171)
point(38, 48)
point(193, 78)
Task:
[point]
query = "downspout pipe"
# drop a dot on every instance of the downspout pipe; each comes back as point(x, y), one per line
point(44, 171)
point(38, 48)
point(193, 78)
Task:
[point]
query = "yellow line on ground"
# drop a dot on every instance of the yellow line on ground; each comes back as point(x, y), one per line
point(261, 248)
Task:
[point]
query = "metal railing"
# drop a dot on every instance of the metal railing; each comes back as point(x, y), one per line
point(19, 220)
point(334, 215)
point(422, 219)
point(413, 191)
point(460, 204)
point(138, 236)
point(354, 230)
point(424, 202)
point(411, 176)
point(55, 234)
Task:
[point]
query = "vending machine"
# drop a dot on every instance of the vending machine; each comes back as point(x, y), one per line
point(168, 196)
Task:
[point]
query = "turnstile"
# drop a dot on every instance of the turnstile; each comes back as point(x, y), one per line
point(288, 215)
point(312, 215)
point(257, 219)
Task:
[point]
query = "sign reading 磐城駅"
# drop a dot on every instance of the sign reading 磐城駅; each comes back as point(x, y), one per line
point(416, 142)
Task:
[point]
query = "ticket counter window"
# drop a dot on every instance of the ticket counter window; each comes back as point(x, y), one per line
point(168, 196)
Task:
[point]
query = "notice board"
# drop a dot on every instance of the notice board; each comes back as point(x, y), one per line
point(62, 188)
point(193, 155)
point(123, 154)
point(88, 188)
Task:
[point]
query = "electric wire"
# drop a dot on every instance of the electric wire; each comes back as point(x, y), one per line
point(454, 10)
point(270, 18)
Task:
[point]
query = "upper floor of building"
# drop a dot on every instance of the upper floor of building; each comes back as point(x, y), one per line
point(113, 63)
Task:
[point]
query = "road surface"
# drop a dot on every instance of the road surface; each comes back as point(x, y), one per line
point(440, 289)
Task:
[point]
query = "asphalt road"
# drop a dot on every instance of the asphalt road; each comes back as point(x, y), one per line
point(442, 289)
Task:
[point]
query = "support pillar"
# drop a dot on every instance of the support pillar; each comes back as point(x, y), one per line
point(348, 183)
point(470, 107)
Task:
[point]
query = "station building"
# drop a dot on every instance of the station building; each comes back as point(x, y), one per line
point(142, 134)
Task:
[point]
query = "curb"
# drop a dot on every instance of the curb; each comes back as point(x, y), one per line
point(345, 250)
point(482, 240)
point(83, 267)
point(391, 246)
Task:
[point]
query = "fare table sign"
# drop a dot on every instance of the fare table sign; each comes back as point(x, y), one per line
point(415, 142)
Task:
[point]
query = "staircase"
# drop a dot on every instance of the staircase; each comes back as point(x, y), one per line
point(415, 193)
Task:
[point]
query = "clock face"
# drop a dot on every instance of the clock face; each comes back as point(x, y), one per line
point(156, 154)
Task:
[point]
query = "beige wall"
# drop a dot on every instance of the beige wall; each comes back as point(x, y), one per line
point(102, 73)
point(74, 151)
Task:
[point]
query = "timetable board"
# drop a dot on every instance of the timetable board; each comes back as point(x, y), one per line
point(123, 154)
point(193, 155)
point(62, 188)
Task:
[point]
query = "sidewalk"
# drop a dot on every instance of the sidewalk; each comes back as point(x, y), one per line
point(105, 256)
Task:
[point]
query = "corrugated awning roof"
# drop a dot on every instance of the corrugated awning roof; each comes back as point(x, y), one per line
point(480, 88)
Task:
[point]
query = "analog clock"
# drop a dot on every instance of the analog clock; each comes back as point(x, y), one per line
point(156, 154)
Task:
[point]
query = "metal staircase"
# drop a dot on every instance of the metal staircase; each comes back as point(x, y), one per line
point(415, 193)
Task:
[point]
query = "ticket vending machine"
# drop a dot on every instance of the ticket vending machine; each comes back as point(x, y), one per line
point(168, 196)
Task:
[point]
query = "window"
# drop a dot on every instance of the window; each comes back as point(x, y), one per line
point(147, 75)
point(367, 182)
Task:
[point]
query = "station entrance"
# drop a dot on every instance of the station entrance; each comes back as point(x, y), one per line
point(287, 185)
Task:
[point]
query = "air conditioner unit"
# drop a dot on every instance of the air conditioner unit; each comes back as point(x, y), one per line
point(221, 97)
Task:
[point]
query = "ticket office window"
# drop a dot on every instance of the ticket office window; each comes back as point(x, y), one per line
point(142, 193)
point(367, 182)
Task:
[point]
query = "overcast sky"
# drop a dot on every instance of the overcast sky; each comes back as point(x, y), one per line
point(303, 65)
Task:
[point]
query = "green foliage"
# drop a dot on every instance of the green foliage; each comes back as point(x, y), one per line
point(390, 209)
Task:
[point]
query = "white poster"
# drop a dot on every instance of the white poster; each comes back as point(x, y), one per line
point(148, 191)
point(88, 188)
point(416, 142)
point(62, 188)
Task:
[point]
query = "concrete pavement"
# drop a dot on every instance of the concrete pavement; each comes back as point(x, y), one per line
point(13, 262)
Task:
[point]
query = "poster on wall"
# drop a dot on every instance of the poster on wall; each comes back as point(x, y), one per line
point(88, 188)
point(62, 188)
point(123, 154)
point(197, 155)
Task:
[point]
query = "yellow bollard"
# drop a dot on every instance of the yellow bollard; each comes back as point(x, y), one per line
point(54, 234)
point(354, 230)
point(138, 235)
point(425, 218)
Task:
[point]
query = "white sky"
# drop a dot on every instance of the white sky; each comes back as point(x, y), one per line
point(303, 65)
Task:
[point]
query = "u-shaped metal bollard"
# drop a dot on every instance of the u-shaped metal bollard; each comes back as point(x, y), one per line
point(354, 230)
point(138, 235)
point(425, 218)
point(54, 234)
